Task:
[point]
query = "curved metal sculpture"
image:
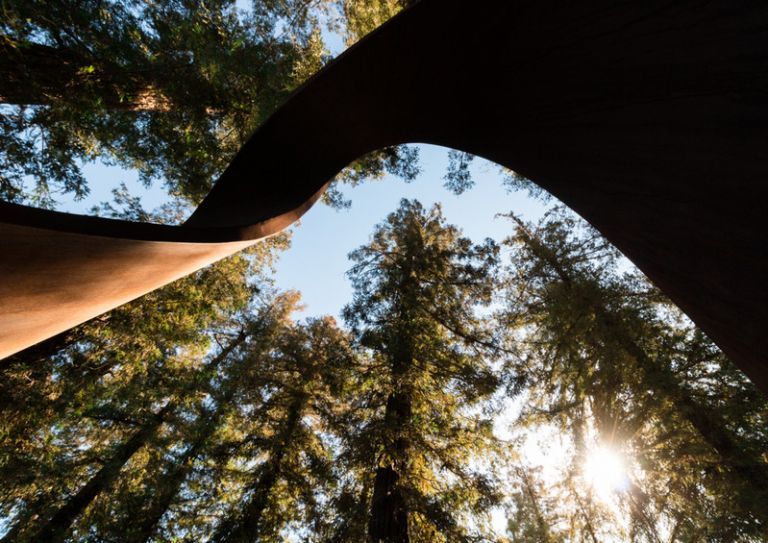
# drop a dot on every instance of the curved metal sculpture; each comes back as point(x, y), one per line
point(650, 119)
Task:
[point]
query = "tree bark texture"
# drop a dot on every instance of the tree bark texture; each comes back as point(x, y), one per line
point(389, 510)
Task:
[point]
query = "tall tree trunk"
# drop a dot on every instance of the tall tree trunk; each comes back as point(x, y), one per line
point(750, 471)
point(542, 528)
point(388, 522)
point(37, 74)
point(170, 487)
point(586, 516)
point(245, 528)
point(57, 527)
point(147, 523)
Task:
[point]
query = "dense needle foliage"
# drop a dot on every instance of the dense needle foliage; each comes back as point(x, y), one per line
point(169, 88)
point(535, 390)
point(206, 412)
point(615, 366)
point(416, 288)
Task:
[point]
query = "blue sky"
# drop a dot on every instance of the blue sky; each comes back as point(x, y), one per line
point(317, 261)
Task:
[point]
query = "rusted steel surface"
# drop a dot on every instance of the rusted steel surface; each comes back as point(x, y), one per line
point(650, 119)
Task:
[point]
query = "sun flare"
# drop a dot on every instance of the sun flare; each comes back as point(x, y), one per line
point(605, 470)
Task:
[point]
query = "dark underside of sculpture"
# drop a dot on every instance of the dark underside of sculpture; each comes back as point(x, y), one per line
point(650, 119)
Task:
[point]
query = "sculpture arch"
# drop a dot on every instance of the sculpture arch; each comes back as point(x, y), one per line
point(648, 119)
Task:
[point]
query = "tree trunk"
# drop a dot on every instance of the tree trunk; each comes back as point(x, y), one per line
point(542, 528)
point(55, 530)
point(750, 470)
point(57, 527)
point(171, 484)
point(170, 487)
point(389, 513)
point(389, 510)
point(36, 74)
point(245, 529)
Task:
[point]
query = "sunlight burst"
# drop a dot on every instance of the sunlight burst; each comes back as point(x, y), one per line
point(606, 472)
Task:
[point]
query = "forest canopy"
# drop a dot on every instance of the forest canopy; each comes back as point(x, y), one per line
point(170, 88)
point(532, 388)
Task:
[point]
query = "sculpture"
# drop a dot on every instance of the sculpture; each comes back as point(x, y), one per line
point(648, 119)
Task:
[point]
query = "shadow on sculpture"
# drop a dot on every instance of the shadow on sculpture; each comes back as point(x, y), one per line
point(648, 119)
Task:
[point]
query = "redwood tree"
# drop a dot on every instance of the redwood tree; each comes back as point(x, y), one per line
point(417, 285)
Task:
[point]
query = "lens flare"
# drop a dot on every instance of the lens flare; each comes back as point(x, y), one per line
point(606, 472)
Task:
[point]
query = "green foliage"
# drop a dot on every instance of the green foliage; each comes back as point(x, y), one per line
point(171, 89)
point(610, 361)
point(416, 287)
point(167, 88)
point(458, 179)
point(362, 16)
point(69, 401)
point(205, 412)
point(293, 398)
